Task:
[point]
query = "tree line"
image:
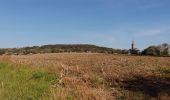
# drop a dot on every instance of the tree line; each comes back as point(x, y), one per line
point(59, 48)
point(159, 50)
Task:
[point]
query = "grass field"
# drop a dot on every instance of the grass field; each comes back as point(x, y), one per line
point(83, 76)
point(23, 83)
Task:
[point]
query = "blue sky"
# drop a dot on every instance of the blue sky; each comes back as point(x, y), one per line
point(110, 23)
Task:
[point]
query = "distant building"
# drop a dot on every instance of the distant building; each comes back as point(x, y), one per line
point(169, 50)
point(133, 45)
point(134, 50)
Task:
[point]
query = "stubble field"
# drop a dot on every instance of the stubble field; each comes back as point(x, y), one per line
point(85, 76)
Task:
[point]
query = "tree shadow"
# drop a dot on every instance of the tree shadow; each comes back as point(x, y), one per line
point(150, 85)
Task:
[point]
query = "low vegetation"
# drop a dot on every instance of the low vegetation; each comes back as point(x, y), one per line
point(23, 83)
point(87, 76)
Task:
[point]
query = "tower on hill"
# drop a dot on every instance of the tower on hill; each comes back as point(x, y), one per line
point(169, 50)
point(134, 50)
point(133, 45)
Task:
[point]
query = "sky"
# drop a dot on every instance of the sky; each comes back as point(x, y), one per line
point(109, 23)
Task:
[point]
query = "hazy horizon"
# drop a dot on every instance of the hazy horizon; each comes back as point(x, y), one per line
point(108, 23)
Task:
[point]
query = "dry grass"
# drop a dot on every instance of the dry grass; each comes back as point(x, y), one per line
point(102, 76)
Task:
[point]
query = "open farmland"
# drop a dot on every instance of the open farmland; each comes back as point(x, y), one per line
point(86, 76)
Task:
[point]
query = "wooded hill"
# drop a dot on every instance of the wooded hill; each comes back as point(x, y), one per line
point(59, 48)
point(158, 50)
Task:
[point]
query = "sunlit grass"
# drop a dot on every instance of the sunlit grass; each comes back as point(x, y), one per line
point(23, 83)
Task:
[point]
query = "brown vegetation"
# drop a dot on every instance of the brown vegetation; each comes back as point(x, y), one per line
point(104, 76)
